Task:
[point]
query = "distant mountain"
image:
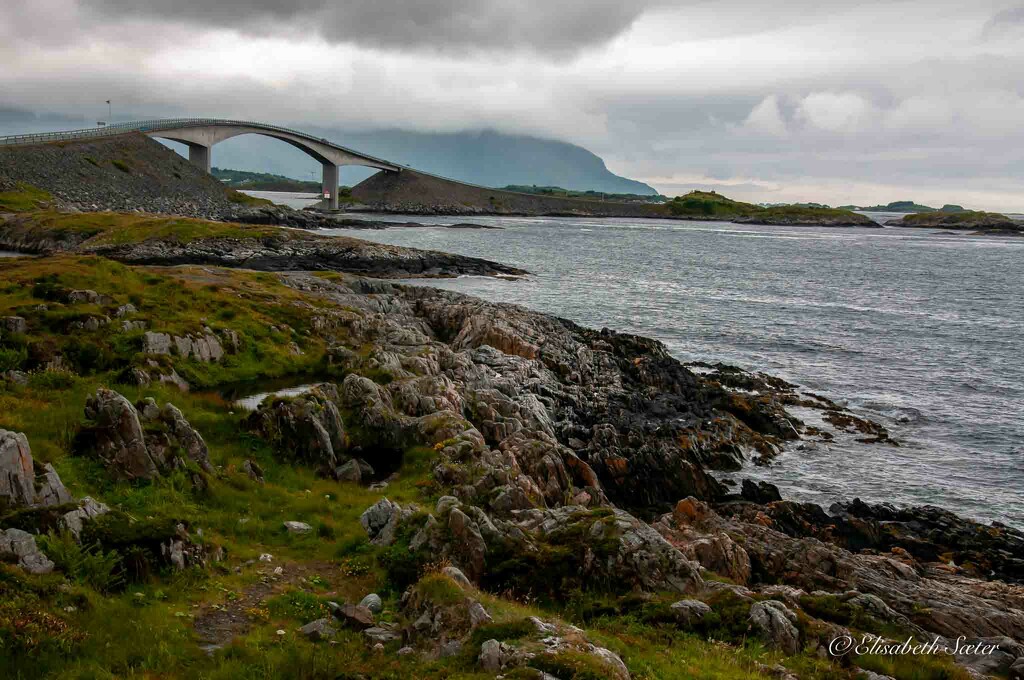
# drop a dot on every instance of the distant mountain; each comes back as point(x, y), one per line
point(487, 158)
point(905, 207)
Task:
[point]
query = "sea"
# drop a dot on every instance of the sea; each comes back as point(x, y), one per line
point(921, 330)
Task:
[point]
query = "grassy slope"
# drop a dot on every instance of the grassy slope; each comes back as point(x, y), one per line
point(146, 629)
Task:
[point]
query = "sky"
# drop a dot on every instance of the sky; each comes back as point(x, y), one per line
point(857, 102)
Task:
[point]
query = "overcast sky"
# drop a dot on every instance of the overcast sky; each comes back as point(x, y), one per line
point(802, 100)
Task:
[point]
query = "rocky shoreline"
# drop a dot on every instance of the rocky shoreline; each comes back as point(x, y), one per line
point(224, 245)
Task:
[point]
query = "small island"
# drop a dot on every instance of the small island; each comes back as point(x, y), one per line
point(712, 205)
point(971, 220)
point(905, 207)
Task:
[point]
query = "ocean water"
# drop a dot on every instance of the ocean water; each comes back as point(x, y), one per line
point(919, 330)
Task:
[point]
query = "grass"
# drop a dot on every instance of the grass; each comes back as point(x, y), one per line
point(112, 229)
point(24, 198)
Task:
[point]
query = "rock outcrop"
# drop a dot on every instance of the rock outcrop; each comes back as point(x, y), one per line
point(114, 433)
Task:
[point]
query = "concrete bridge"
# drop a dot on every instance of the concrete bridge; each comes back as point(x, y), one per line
point(201, 134)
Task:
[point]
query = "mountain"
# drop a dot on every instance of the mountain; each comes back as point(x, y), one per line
point(489, 158)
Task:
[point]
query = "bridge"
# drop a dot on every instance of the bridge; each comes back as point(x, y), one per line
point(201, 134)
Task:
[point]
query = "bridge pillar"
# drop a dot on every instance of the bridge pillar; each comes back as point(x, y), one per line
point(199, 155)
point(330, 184)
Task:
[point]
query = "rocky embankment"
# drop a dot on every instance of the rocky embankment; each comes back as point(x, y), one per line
point(158, 241)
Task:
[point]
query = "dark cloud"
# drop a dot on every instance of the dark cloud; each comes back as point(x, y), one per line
point(448, 25)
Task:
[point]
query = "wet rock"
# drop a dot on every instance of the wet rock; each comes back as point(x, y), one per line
point(777, 624)
point(760, 492)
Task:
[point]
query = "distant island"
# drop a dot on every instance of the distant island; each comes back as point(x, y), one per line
point(589, 193)
point(967, 220)
point(905, 207)
point(712, 205)
point(264, 181)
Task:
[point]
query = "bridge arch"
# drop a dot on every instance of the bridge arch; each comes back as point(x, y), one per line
point(200, 135)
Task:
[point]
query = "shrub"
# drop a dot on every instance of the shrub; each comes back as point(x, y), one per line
point(88, 565)
point(122, 166)
point(12, 358)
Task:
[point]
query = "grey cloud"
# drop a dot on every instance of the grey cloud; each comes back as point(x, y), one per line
point(451, 25)
point(1006, 22)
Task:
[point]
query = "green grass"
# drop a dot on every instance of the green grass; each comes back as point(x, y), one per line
point(111, 229)
point(26, 197)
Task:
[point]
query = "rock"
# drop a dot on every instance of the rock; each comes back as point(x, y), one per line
point(776, 624)
point(451, 648)
point(478, 616)
point(297, 527)
point(254, 471)
point(349, 472)
point(21, 547)
point(689, 612)
point(455, 574)
point(13, 325)
point(125, 310)
point(187, 437)
point(381, 520)
point(156, 343)
point(321, 629)
point(357, 616)
point(84, 297)
point(87, 510)
point(490, 656)
point(1016, 671)
point(380, 635)
point(373, 603)
point(406, 651)
point(760, 492)
point(468, 543)
point(116, 436)
point(721, 554)
point(17, 472)
point(307, 428)
point(988, 656)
